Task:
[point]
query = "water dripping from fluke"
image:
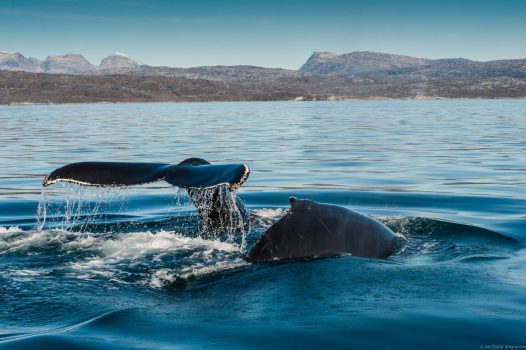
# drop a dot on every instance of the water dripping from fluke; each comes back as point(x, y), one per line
point(77, 209)
point(41, 210)
point(223, 214)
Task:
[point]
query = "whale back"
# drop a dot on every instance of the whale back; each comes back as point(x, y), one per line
point(311, 230)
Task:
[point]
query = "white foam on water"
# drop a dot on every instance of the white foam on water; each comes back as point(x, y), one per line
point(136, 245)
point(14, 240)
point(28, 273)
point(140, 254)
point(9, 230)
point(154, 259)
point(266, 217)
point(166, 276)
point(86, 241)
point(202, 269)
point(162, 277)
point(269, 213)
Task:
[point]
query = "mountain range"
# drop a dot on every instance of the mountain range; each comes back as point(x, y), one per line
point(354, 64)
point(360, 74)
point(65, 64)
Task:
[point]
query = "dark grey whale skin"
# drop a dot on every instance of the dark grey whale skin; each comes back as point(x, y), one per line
point(311, 230)
point(190, 173)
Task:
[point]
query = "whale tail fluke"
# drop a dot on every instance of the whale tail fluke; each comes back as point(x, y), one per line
point(191, 173)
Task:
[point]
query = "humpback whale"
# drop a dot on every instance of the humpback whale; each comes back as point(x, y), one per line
point(200, 178)
point(308, 230)
point(311, 229)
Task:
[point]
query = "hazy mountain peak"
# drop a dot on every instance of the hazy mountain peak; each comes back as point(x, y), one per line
point(67, 57)
point(323, 55)
point(118, 61)
point(17, 61)
point(68, 63)
point(5, 54)
point(357, 62)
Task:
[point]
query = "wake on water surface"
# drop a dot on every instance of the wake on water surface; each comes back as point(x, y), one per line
point(93, 234)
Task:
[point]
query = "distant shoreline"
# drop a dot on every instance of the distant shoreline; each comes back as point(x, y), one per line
point(18, 104)
point(18, 87)
point(359, 75)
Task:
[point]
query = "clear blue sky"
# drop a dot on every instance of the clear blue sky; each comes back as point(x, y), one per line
point(265, 33)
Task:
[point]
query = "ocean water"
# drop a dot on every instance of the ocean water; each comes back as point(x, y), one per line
point(133, 268)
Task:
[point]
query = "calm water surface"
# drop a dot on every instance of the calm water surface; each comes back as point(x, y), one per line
point(129, 269)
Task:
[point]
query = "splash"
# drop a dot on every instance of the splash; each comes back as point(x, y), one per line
point(223, 214)
point(157, 260)
point(266, 217)
point(42, 210)
point(10, 230)
point(78, 207)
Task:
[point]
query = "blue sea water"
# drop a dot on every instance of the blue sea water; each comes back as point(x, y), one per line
point(130, 268)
